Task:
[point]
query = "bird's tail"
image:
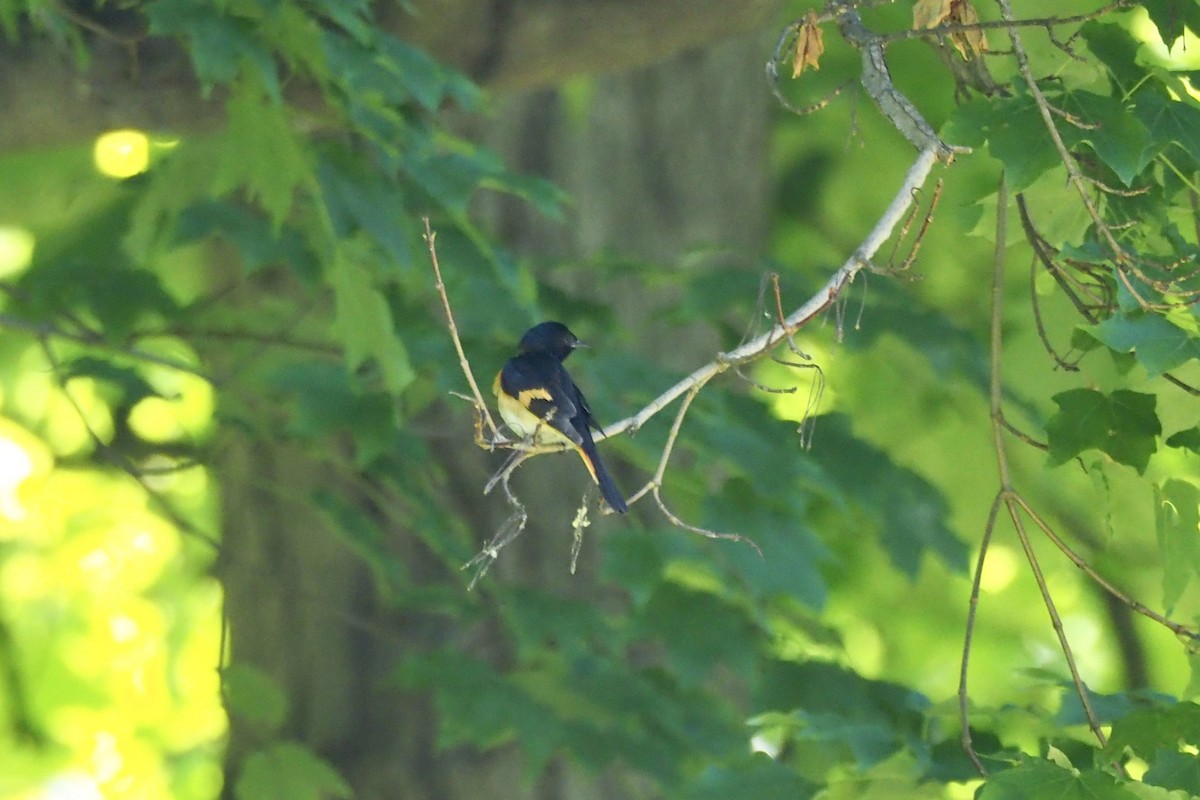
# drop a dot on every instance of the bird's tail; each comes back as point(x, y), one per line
point(608, 487)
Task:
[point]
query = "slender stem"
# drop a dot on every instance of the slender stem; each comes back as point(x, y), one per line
point(430, 236)
point(964, 712)
point(44, 330)
point(1008, 495)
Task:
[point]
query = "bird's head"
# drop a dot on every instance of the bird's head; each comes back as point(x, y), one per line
point(552, 338)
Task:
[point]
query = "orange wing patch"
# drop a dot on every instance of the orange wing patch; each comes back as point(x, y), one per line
point(527, 396)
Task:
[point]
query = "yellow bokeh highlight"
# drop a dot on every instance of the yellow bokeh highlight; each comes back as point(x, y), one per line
point(16, 250)
point(801, 390)
point(122, 154)
point(184, 409)
point(131, 685)
point(999, 570)
point(23, 461)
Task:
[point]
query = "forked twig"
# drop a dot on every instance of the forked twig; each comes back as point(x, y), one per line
point(1179, 629)
point(1010, 498)
point(964, 712)
point(656, 483)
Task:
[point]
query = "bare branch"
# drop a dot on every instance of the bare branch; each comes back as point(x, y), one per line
point(821, 300)
point(48, 330)
point(964, 713)
point(1008, 495)
point(877, 80)
point(430, 236)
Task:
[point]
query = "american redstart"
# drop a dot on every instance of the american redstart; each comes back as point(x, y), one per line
point(539, 401)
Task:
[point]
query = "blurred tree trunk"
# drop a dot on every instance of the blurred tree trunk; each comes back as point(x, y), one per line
point(132, 79)
point(668, 158)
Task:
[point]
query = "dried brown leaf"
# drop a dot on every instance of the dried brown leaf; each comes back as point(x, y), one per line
point(809, 46)
point(969, 43)
point(930, 13)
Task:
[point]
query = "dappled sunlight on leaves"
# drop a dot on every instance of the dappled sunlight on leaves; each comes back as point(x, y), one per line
point(115, 632)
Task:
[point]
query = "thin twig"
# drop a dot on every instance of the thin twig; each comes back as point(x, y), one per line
point(1074, 176)
point(1179, 629)
point(48, 330)
point(1008, 493)
point(430, 236)
point(1039, 324)
point(1022, 435)
point(660, 475)
point(1013, 503)
point(964, 712)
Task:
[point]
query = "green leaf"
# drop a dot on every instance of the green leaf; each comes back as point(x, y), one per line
point(477, 705)
point(129, 381)
point(543, 195)
point(1148, 730)
point(356, 67)
point(352, 16)
point(357, 199)
point(635, 561)
point(428, 81)
point(1172, 17)
point(912, 514)
point(322, 401)
point(254, 697)
point(364, 320)
point(1043, 780)
point(262, 152)
point(289, 771)
point(1177, 523)
point(1015, 134)
point(1188, 439)
point(218, 43)
point(11, 13)
point(699, 632)
point(1158, 344)
point(864, 720)
point(449, 178)
point(1174, 770)
point(1118, 50)
point(1124, 425)
point(792, 554)
point(1173, 122)
point(1117, 136)
point(758, 778)
point(540, 619)
point(248, 231)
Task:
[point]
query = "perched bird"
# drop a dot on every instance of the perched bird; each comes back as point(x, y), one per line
point(539, 401)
